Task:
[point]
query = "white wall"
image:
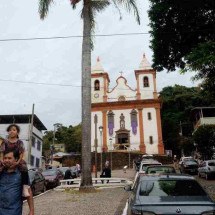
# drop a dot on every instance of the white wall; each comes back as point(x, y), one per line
point(99, 92)
point(150, 129)
point(146, 92)
point(121, 89)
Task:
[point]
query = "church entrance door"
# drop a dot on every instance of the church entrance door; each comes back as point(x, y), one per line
point(122, 139)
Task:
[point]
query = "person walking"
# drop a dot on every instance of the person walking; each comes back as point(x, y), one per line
point(106, 173)
point(11, 200)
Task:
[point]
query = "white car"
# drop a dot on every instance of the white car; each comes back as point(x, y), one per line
point(185, 158)
point(207, 169)
point(148, 162)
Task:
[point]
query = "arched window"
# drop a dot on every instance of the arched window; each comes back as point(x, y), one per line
point(121, 98)
point(146, 81)
point(96, 85)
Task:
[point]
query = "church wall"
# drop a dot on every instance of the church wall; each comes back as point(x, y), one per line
point(97, 95)
point(121, 90)
point(146, 92)
point(134, 139)
point(150, 129)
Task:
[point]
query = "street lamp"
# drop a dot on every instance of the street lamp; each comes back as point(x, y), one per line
point(111, 148)
point(101, 129)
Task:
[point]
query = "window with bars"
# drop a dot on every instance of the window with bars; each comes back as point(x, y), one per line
point(33, 141)
point(149, 116)
point(32, 160)
point(151, 139)
point(38, 145)
point(37, 162)
point(146, 81)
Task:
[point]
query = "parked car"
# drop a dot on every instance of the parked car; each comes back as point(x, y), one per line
point(189, 166)
point(53, 177)
point(73, 170)
point(207, 169)
point(37, 182)
point(160, 169)
point(148, 162)
point(182, 159)
point(168, 194)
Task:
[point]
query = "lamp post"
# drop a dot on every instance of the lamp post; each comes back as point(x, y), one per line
point(111, 148)
point(101, 130)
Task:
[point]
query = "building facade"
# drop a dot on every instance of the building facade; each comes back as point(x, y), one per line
point(124, 118)
point(23, 121)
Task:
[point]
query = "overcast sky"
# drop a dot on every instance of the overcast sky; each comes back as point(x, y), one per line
point(59, 61)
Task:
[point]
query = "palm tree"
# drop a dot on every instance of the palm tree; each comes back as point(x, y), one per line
point(89, 10)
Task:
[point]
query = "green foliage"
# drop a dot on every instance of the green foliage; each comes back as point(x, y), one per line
point(177, 102)
point(204, 137)
point(70, 136)
point(178, 30)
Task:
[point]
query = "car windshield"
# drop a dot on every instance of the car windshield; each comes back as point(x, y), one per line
point(211, 163)
point(144, 166)
point(162, 188)
point(190, 162)
point(160, 169)
point(63, 169)
point(49, 173)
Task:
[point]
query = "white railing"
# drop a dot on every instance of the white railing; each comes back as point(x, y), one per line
point(97, 182)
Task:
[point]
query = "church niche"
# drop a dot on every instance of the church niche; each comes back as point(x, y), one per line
point(122, 121)
point(110, 122)
point(134, 121)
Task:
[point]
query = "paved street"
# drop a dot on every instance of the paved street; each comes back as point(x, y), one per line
point(106, 201)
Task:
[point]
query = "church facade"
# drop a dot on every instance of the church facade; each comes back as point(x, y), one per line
point(124, 118)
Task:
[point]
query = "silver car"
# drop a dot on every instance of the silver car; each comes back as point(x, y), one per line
point(207, 169)
point(168, 194)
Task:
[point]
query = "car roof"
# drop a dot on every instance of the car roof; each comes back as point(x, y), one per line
point(169, 176)
point(149, 161)
point(160, 166)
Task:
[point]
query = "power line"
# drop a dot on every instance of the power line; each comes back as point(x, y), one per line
point(68, 37)
point(60, 85)
point(94, 35)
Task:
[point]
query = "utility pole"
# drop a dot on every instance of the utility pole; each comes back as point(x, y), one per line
point(30, 136)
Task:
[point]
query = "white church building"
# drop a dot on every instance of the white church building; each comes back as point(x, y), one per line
point(124, 118)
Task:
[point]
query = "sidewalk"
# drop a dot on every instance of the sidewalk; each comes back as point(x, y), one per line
point(105, 202)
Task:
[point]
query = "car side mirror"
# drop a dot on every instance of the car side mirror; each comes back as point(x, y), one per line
point(127, 188)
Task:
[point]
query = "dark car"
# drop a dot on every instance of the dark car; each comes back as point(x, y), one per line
point(73, 170)
point(37, 182)
point(168, 194)
point(160, 169)
point(53, 177)
point(189, 166)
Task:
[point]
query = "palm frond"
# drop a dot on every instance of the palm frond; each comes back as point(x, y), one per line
point(99, 6)
point(130, 5)
point(44, 8)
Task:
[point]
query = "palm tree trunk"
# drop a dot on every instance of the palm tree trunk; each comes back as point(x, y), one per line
point(86, 179)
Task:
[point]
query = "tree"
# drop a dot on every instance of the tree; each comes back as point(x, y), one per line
point(177, 102)
point(183, 36)
point(204, 137)
point(89, 10)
